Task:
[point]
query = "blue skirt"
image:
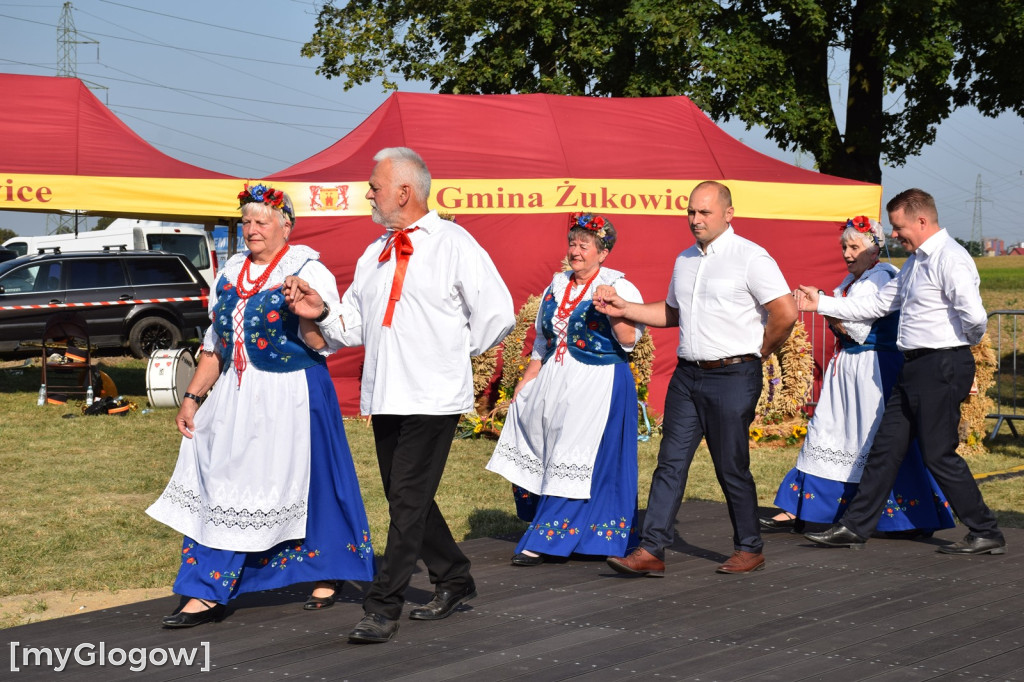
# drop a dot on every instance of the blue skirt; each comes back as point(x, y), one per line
point(915, 501)
point(605, 524)
point(337, 543)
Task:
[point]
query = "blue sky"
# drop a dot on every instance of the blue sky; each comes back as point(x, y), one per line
point(220, 84)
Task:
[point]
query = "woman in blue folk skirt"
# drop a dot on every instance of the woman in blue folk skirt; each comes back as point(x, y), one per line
point(569, 444)
point(856, 385)
point(264, 488)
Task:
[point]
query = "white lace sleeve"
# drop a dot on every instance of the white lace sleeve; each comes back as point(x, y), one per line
point(628, 291)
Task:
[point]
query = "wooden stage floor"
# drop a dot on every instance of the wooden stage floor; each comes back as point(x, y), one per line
point(894, 610)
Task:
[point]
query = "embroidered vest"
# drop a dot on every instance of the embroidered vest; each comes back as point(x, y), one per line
point(588, 336)
point(271, 331)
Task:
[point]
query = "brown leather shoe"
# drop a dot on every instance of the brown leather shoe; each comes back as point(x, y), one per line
point(742, 562)
point(639, 562)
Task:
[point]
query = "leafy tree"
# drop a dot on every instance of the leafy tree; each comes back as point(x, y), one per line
point(6, 233)
point(103, 223)
point(893, 249)
point(972, 247)
point(768, 62)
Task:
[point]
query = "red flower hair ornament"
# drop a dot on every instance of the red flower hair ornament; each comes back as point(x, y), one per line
point(865, 225)
point(261, 194)
point(596, 224)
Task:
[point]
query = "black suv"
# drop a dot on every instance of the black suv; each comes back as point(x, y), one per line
point(149, 300)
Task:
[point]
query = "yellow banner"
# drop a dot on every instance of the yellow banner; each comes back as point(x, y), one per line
point(217, 198)
point(133, 196)
point(770, 200)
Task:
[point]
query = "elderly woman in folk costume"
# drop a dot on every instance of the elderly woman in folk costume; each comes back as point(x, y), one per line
point(856, 385)
point(264, 488)
point(569, 444)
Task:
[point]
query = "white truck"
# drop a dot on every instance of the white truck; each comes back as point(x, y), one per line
point(192, 241)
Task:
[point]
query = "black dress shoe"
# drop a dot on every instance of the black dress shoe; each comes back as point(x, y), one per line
point(443, 603)
point(973, 544)
point(775, 524)
point(373, 629)
point(520, 559)
point(317, 603)
point(837, 536)
point(213, 613)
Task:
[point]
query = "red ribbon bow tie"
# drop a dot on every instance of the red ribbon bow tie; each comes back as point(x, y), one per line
point(401, 244)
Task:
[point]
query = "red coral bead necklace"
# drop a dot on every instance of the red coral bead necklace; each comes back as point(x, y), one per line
point(567, 305)
point(565, 308)
point(245, 292)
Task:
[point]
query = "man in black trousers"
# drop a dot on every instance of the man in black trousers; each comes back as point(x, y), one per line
point(941, 318)
point(425, 296)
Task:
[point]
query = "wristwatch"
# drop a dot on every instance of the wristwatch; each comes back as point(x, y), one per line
point(323, 314)
point(193, 396)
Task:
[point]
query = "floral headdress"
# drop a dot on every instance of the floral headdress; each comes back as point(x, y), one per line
point(595, 223)
point(865, 225)
point(261, 194)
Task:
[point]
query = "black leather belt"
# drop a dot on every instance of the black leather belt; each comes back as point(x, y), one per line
point(724, 362)
point(915, 353)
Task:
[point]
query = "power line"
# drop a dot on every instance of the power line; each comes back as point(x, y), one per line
point(203, 23)
point(185, 91)
point(154, 42)
point(159, 43)
point(149, 43)
point(235, 118)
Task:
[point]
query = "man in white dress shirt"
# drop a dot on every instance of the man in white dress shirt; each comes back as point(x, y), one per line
point(733, 308)
point(941, 318)
point(424, 298)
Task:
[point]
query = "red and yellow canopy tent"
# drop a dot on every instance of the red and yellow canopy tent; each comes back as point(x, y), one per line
point(511, 168)
point(62, 150)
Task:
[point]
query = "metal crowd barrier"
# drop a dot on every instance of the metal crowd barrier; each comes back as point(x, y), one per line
point(823, 343)
point(1004, 333)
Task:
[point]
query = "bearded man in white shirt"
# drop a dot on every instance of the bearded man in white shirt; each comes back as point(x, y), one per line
point(733, 308)
point(424, 298)
point(941, 317)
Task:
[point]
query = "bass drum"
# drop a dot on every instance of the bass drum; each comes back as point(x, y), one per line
point(167, 375)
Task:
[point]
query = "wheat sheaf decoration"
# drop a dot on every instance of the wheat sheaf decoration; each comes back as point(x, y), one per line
point(787, 381)
point(978, 405)
point(512, 355)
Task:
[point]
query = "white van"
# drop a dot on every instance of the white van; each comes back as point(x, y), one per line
point(192, 241)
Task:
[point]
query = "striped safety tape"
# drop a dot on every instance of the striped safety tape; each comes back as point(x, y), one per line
point(94, 304)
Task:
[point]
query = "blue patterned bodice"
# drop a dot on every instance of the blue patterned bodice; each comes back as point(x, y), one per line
point(589, 336)
point(271, 331)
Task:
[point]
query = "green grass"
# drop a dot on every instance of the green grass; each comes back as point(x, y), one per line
point(1002, 282)
point(75, 490)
